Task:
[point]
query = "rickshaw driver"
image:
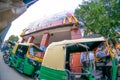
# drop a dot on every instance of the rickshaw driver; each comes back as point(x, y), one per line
point(87, 58)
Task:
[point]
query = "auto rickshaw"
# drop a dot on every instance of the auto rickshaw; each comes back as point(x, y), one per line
point(7, 52)
point(57, 62)
point(26, 58)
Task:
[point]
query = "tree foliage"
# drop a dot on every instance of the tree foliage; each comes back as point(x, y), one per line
point(100, 16)
point(13, 38)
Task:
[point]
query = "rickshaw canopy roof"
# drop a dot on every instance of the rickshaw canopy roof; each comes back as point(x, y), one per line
point(55, 54)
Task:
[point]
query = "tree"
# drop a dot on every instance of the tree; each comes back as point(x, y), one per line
point(13, 38)
point(100, 16)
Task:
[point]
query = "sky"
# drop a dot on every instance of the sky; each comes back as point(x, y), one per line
point(40, 10)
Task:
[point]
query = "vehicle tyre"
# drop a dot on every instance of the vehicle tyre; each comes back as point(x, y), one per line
point(10, 64)
point(36, 79)
point(35, 76)
point(6, 58)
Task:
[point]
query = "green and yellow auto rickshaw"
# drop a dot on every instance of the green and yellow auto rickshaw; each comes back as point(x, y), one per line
point(7, 52)
point(26, 58)
point(58, 61)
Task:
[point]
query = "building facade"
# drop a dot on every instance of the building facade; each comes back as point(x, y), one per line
point(56, 28)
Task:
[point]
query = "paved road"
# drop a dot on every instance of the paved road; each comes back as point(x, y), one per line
point(8, 73)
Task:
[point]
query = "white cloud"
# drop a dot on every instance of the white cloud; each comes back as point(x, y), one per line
point(39, 10)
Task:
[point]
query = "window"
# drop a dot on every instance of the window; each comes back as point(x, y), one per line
point(34, 51)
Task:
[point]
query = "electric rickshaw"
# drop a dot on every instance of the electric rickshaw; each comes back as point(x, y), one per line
point(26, 58)
point(59, 60)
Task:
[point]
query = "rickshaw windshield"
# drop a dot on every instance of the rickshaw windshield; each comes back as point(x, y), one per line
point(34, 51)
point(21, 51)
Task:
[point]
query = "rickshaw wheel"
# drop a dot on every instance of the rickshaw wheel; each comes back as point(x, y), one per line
point(35, 76)
point(36, 79)
point(6, 58)
point(10, 64)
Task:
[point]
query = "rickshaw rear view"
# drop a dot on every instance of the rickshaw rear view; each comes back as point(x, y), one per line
point(59, 63)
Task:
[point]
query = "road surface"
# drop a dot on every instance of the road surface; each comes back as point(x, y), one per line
point(8, 73)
